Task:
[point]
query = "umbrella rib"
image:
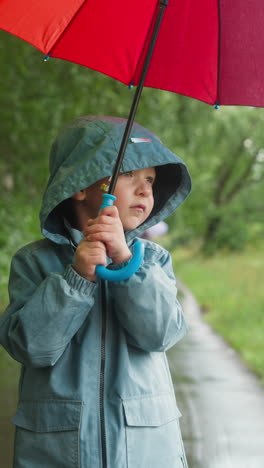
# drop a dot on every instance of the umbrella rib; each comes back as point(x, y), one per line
point(219, 56)
point(147, 40)
point(64, 30)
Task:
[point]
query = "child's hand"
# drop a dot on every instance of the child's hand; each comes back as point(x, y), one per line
point(107, 228)
point(88, 255)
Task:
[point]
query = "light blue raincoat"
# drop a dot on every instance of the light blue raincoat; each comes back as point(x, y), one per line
point(95, 388)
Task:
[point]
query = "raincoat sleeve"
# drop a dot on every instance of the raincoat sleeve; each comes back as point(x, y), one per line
point(44, 312)
point(147, 306)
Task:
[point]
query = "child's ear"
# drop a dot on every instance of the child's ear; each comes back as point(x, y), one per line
point(79, 196)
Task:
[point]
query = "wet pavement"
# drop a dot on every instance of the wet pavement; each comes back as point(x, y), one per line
point(221, 401)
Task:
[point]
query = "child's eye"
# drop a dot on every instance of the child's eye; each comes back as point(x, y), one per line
point(150, 180)
point(127, 174)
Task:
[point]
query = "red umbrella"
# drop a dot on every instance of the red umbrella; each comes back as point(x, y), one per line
point(208, 50)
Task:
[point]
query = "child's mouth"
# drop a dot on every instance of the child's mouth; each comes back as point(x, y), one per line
point(140, 208)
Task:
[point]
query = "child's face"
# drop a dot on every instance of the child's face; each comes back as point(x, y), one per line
point(134, 192)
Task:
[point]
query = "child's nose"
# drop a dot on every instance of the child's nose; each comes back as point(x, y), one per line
point(144, 188)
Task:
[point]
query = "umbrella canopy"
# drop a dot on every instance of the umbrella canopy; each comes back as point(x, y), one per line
point(208, 50)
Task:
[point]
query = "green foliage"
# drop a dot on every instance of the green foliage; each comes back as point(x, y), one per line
point(232, 234)
point(226, 162)
point(19, 227)
point(232, 231)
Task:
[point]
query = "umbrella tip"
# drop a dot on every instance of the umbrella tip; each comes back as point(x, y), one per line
point(217, 106)
point(131, 86)
point(46, 58)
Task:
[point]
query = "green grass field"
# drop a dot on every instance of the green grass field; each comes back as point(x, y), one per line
point(229, 288)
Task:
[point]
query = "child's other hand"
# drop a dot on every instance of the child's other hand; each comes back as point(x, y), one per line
point(88, 255)
point(108, 228)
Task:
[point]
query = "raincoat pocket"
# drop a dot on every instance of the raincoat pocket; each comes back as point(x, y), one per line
point(153, 434)
point(47, 434)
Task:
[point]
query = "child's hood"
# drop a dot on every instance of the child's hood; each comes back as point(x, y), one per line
point(85, 151)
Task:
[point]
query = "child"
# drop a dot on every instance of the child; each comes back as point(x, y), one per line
point(95, 388)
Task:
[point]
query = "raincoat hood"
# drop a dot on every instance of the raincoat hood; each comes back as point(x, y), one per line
point(85, 151)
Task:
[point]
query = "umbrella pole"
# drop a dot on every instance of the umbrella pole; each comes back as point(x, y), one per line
point(108, 198)
point(161, 9)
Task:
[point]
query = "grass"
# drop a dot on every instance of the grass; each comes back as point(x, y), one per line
point(229, 288)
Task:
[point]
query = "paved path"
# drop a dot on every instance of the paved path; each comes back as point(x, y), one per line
point(222, 402)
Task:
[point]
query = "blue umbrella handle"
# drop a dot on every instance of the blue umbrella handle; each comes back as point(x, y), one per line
point(135, 261)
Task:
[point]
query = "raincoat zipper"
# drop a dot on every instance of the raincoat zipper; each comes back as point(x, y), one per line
point(102, 366)
point(102, 373)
